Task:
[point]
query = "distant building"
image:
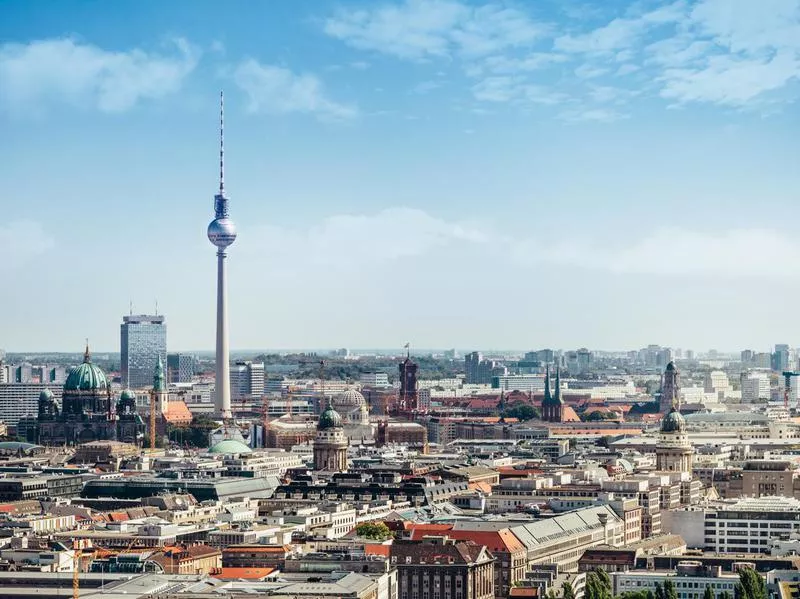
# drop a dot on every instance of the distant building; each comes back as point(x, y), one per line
point(527, 383)
point(552, 404)
point(781, 357)
point(716, 382)
point(247, 379)
point(754, 386)
point(674, 452)
point(19, 400)
point(143, 339)
point(374, 379)
point(180, 368)
point(479, 371)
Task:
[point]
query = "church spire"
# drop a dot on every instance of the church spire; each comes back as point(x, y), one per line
point(558, 384)
point(87, 356)
point(547, 396)
point(158, 376)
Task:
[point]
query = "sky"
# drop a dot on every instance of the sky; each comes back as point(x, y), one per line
point(477, 175)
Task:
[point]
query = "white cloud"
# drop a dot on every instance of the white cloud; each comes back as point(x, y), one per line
point(516, 89)
point(36, 75)
point(349, 240)
point(425, 87)
point(421, 29)
point(500, 64)
point(21, 241)
point(277, 90)
point(676, 252)
point(589, 71)
point(597, 115)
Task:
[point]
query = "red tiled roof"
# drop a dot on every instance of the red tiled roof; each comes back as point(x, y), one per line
point(246, 573)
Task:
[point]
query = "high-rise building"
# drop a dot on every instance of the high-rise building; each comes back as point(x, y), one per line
point(222, 233)
point(479, 371)
point(143, 340)
point(18, 400)
point(247, 379)
point(755, 386)
point(180, 368)
point(781, 357)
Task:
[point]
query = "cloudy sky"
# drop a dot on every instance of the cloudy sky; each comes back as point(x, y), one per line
point(454, 174)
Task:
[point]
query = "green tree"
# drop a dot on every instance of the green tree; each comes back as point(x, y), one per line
point(751, 585)
point(659, 594)
point(724, 595)
point(598, 585)
point(567, 592)
point(377, 531)
point(669, 590)
point(708, 593)
point(521, 411)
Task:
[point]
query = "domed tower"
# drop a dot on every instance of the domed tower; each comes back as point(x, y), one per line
point(222, 233)
point(48, 408)
point(352, 406)
point(674, 452)
point(552, 404)
point(330, 444)
point(130, 426)
point(670, 388)
point(86, 408)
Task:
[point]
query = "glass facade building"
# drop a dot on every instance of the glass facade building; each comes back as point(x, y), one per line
point(143, 339)
point(180, 368)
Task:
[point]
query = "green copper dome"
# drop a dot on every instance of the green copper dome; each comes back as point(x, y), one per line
point(45, 395)
point(673, 422)
point(86, 377)
point(127, 394)
point(229, 446)
point(329, 419)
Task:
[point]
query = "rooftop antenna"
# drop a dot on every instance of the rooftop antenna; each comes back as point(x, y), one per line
point(131, 307)
point(221, 144)
point(156, 306)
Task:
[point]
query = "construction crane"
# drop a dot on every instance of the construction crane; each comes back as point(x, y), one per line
point(77, 554)
point(787, 377)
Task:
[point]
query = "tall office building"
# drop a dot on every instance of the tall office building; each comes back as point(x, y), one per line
point(781, 357)
point(222, 233)
point(180, 368)
point(247, 379)
point(143, 339)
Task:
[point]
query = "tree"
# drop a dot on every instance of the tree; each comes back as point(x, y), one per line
point(567, 592)
point(598, 585)
point(669, 590)
point(708, 593)
point(659, 591)
point(521, 411)
point(751, 585)
point(724, 595)
point(377, 531)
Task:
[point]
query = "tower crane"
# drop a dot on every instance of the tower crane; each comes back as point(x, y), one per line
point(787, 377)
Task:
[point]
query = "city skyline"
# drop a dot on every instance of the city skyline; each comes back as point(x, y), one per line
point(564, 173)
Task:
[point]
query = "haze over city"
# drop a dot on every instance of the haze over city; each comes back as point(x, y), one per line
point(471, 175)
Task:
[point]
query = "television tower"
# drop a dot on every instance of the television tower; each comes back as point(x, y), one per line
point(222, 233)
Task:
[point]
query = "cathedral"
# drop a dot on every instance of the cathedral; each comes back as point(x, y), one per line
point(552, 404)
point(674, 452)
point(330, 444)
point(87, 412)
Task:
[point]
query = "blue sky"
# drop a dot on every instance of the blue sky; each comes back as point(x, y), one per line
point(450, 173)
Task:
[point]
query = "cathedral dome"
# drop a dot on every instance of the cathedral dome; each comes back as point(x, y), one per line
point(671, 365)
point(349, 400)
point(329, 419)
point(45, 395)
point(127, 394)
point(673, 422)
point(230, 447)
point(86, 377)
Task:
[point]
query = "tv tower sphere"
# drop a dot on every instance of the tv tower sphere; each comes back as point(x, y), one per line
point(222, 232)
